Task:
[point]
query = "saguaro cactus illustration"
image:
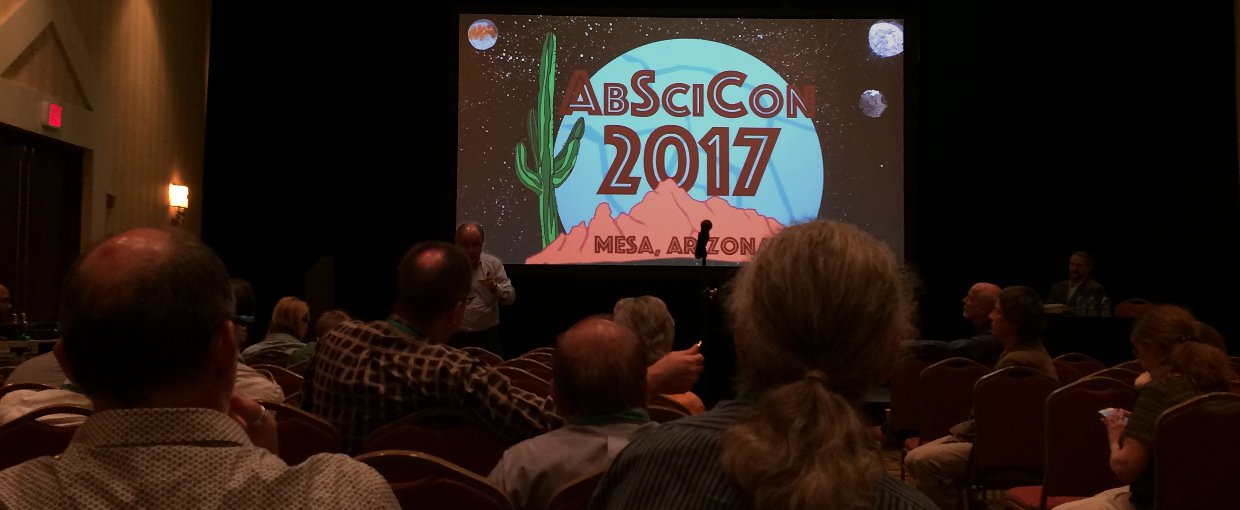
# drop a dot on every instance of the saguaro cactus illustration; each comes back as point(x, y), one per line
point(547, 173)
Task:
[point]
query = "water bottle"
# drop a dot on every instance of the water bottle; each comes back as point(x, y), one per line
point(1091, 307)
point(1106, 306)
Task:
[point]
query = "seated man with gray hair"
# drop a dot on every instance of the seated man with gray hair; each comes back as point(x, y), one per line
point(599, 388)
point(648, 318)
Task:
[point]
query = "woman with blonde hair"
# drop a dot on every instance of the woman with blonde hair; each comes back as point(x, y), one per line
point(1183, 360)
point(289, 321)
point(818, 317)
point(648, 318)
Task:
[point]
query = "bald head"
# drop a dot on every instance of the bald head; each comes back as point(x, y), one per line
point(600, 369)
point(433, 278)
point(978, 303)
point(148, 298)
point(469, 237)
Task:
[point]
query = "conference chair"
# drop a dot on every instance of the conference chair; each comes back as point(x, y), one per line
point(906, 395)
point(302, 434)
point(575, 495)
point(1122, 374)
point(948, 387)
point(661, 400)
point(1067, 374)
point(290, 382)
point(663, 414)
point(5, 390)
point(539, 369)
point(1077, 451)
point(491, 359)
point(1083, 363)
point(424, 481)
point(1195, 453)
point(1134, 365)
point(449, 433)
point(1009, 407)
point(540, 355)
point(267, 357)
point(525, 380)
point(27, 438)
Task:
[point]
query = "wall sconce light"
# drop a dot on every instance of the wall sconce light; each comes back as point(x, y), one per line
point(178, 198)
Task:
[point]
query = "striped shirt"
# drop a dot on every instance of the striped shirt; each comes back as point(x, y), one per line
point(368, 375)
point(677, 466)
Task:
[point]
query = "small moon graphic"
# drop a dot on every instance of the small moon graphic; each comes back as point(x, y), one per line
point(886, 39)
point(483, 34)
point(873, 104)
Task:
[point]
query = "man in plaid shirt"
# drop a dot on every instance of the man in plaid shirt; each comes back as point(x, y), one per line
point(367, 375)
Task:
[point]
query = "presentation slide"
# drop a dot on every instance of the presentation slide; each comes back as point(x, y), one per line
point(618, 140)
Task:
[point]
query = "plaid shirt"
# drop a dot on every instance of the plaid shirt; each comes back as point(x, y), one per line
point(368, 375)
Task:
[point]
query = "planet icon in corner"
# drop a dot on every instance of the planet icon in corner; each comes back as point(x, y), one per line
point(483, 34)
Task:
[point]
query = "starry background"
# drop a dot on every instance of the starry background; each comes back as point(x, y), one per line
point(863, 157)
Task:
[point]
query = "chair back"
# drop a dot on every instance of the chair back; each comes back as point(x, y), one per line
point(1132, 308)
point(1195, 448)
point(1009, 407)
point(949, 383)
point(575, 495)
point(538, 368)
point(663, 414)
point(299, 368)
point(1077, 452)
point(906, 397)
point(302, 434)
point(525, 380)
point(27, 438)
point(9, 388)
point(267, 357)
point(1083, 363)
point(448, 433)
point(541, 356)
point(288, 380)
point(483, 355)
point(425, 481)
point(1134, 365)
point(1066, 373)
point(1117, 373)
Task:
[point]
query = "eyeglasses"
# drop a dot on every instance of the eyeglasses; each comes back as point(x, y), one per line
point(244, 320)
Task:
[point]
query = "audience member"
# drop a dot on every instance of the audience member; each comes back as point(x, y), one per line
point(599, 388)
point(818, 317)
point(489, 288)
point(366, 375)
point(45, 369)
point(982, 346)
point(172, 434)
point(648, 318)
point(289, 321)
point(1182, 364)
point(326, 322)
point(1079, 293)
point(1018, 321)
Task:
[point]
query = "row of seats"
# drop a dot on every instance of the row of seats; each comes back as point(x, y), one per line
point(425, 481)
point(1030, 429)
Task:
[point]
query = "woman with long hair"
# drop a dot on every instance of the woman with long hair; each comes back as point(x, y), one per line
point(289, 321)
point(1183, 361)
point(818, 318)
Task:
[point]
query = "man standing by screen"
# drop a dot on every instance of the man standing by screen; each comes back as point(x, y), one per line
point(491, 288)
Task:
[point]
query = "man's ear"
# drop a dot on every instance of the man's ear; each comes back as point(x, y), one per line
point(63, 359)
point(458, 314)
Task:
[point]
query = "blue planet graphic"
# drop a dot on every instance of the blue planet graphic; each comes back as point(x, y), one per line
point(791, 188)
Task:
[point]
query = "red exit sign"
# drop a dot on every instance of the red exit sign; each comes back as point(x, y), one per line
point(54, 115)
